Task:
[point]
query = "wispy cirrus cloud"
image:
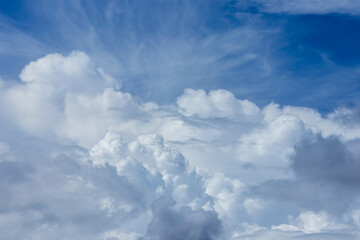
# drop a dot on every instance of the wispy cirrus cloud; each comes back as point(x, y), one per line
point(310, 6)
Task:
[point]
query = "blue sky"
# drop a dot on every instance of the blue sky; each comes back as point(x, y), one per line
point(179, 119)
point(301, 59)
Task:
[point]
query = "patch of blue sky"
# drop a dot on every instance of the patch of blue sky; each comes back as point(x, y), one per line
point(159, 48)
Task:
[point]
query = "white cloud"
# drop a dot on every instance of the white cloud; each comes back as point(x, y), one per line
point(276, 141)
point(98, 158)
point(216, 104)
point(37, 103)
point(308, 222)
point(226, 193)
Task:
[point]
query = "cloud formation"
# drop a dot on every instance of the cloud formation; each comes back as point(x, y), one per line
point(81, 158)
point(186, 224)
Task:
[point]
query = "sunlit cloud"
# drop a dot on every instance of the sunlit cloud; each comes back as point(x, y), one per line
point(157, 120)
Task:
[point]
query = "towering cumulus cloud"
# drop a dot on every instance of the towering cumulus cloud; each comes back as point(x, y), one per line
point(82, 159)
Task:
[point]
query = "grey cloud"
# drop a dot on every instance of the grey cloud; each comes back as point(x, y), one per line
point(327, 160)
point(11, 172)
point(324, 170)
point(184, 224)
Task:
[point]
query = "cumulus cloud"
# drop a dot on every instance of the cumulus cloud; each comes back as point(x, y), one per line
point(103, 193)
point(323, 168)
point(330, 161)
point(49, 194)
point(216, 104)
point(38, 104)
point(81, 158)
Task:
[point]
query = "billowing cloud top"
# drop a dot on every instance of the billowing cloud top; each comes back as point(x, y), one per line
point(82, 159)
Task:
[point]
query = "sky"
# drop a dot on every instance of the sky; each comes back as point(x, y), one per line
point(182, 120)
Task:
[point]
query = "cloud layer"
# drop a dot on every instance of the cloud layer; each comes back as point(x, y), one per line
point(80, 158)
